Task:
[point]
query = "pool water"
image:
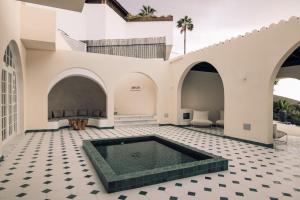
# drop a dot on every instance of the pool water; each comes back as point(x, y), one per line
point(131, 162)
point(126, 158)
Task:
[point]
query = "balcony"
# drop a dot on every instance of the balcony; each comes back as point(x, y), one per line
point(38, 28)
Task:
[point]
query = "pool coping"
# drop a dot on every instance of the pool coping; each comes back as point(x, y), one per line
point(113, 182)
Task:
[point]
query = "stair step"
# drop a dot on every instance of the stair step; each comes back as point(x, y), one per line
point(135, 120)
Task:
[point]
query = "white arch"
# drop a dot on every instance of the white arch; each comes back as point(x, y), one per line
point(181, 81)
point(156, 88)
point(77, 72)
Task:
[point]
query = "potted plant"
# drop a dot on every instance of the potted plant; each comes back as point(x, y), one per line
point(283, 110)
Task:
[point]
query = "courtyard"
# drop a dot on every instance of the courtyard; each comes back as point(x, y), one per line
point(53, 165)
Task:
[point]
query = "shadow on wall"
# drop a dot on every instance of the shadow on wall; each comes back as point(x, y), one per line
point(135, 94)
point(76, 96)
point(203, 90)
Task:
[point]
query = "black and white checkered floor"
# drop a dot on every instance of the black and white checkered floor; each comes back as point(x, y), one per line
point(54, 166)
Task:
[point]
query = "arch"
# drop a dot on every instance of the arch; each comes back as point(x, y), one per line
point(188, 69)
point(12, 81)
point(76, 96)
point(149, 95)
point(274, 73)
point(183, 76)
point(77, 72)
point(280, 62)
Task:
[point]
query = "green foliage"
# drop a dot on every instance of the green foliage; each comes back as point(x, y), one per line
point(147, 11)
point(280, 105)
point(185, 23)
point(293, 110)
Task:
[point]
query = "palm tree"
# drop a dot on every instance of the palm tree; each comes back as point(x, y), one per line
point(185, 24)
point(147, 11)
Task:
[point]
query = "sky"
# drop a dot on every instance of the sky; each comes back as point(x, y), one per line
point(288, 87)
point(218, 20)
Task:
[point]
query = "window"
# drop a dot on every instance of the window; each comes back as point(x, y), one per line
point(9, 111)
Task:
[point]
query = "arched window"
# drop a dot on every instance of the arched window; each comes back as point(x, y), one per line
point(9, 111)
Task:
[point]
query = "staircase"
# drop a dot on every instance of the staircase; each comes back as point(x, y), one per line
point(135, 120)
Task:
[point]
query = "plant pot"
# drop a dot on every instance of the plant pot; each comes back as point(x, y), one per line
point(283, 115)
point(296, 121)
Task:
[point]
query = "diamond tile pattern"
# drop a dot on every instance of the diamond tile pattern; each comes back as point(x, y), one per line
point(53, 165)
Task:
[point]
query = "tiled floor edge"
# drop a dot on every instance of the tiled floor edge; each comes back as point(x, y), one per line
point(225, 136)
point(63, 127)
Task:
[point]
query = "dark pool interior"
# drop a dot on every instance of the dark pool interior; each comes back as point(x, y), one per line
point(135, 156)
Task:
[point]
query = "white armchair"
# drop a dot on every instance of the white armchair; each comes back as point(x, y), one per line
point(220, 122)
point(200, 118)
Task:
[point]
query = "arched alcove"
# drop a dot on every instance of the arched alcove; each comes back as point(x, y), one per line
point(202, 89)
point(136, 94)
point(76, 96)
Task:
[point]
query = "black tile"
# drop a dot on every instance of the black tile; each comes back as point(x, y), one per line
point(95, 192)
point(162, 188)
point(46, 191)
point(47, 182)
point(122, 197)
point(286, 194)
point(142, 192)
point(21, 194)
point(191, 193)
point(69, 187)
point(90, 183)
point(239, 194)
point(24, 185)
point(223, 198)
point(71, 196)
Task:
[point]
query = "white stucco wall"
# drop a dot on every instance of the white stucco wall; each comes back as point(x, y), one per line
point(129, 101)
point(99, 21)
point(203, 91)
point(248, 66)
point(10, 34)
point(66, 21)
point(43, 67)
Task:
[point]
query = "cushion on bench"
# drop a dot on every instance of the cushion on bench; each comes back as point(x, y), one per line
point(57, 114)
point(69, 113)
point(82, 112)
point(96, 113)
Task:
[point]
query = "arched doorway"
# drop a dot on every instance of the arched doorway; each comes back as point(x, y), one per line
point(202, 92)
point(286, 104)
point(76, 96)
point(135, 100)
point(11, 93)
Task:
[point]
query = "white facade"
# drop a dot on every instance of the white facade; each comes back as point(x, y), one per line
point(247, 65)
point(99, 21)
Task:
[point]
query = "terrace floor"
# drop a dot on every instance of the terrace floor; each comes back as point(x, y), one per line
point(54, 166)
